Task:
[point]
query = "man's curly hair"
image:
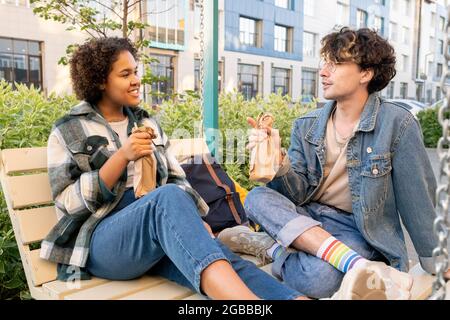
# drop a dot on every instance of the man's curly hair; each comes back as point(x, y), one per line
point(91, 63)
point(365, 48)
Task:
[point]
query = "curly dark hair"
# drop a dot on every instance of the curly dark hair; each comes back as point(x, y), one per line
point(91, 63)
point(365, 48)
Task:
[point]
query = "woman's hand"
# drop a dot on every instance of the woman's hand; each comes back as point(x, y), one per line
point(138, 144)
point(208, 228)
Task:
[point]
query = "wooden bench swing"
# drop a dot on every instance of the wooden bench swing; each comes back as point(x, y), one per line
point(26, 188)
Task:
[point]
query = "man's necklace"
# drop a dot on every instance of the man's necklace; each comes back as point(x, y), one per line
point(336, 134)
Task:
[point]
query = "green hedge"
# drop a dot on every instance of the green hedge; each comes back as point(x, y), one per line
point(26, 118)
point(431, 128)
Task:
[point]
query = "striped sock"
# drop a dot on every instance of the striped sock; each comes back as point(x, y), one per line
point(275, 251)
point(339, 255)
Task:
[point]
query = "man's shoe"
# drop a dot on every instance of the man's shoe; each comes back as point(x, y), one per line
point(243, 240)
point(361, 284)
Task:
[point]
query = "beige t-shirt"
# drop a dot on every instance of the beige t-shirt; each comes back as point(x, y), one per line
point(335, 190)
point(120, 127)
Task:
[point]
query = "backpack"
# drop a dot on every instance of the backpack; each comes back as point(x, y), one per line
point(213, 184)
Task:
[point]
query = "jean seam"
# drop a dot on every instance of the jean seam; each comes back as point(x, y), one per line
point(203, 264)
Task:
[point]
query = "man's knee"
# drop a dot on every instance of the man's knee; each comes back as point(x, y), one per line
point(255, 200)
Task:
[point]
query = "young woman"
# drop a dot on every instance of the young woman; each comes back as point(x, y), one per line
point(102, 229)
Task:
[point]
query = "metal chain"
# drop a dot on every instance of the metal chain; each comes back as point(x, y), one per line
point(440, 227)
point(202, 62)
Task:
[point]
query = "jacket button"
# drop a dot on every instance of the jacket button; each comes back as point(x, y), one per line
point(375, 171)
point(89, 148)
point(369, 150)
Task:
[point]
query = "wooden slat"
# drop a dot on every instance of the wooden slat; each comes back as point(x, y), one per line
point(30, 190)
point(24, 159)
point(195, 296)
point(116, 289)
point(57, 290)
point(42, 271)
point(35, 224)
point(165, 291)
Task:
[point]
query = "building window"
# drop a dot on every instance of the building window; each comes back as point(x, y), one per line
point(21, 61)
point(163, 87)
point(309, 7)
point(309, 44)
point(248, 80)
point(403, 90)
point(438, 93)
point(281, 80)
point(439, 70)
point(361, 19)
point(166, 20)
point(381, 2)
point(19, 3)
point(404, 63)
point(309, 85)
point(196, 74)
point(248, 31)
point(282, 37)
point(442, 24)
point(378, 24)
point(343, 14)
point(393, 31)
point(441, 46)
point(407, 5)
point(405, 35)
point(390, 90)
point(286, 4)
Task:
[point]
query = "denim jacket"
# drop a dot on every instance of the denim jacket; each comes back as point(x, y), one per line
point(390, 176)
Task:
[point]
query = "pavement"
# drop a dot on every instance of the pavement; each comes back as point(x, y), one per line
point(413, 259)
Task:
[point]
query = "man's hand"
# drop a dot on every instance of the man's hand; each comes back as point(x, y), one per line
point(257, 135)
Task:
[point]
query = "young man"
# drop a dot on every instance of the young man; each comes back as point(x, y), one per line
point(354, 167)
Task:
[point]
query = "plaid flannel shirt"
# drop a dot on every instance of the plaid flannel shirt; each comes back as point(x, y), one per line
point(79, 144)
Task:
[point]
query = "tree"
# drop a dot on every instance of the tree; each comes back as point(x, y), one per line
point(100, 18)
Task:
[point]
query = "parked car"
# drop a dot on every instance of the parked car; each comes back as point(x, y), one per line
point(412, 105)
point(438, 103)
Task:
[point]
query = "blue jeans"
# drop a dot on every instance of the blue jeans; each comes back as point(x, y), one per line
point(284, 222)
point(163, 234)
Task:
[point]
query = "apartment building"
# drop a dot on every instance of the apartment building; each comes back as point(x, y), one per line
point(264, 45)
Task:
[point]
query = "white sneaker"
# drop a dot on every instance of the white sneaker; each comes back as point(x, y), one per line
point(361, 284)
point(398, 284)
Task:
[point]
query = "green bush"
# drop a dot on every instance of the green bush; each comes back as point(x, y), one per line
point(431, 128)
point(26, 118)
point(233, 112)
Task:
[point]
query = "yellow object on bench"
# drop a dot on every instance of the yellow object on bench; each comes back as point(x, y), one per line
point(25, 185)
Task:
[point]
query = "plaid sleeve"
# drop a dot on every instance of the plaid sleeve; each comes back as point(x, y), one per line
point(75, 192)
point(177, 176)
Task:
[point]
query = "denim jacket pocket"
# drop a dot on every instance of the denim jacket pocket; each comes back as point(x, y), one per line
point(375, 177)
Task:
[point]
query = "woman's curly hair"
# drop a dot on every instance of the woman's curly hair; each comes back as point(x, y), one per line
point(91, 63)
point(365, 48)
